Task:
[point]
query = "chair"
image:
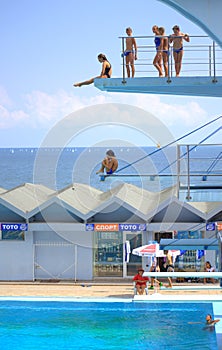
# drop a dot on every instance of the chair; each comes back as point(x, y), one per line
point(146, 288)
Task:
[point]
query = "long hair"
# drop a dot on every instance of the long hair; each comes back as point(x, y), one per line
point(101, 55)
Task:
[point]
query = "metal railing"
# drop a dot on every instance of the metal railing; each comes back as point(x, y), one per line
point(195, 170)
point(202, 57)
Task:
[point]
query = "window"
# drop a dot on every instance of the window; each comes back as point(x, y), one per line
point(13, 235)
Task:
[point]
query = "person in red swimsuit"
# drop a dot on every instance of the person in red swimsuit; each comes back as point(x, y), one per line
point(140, 281)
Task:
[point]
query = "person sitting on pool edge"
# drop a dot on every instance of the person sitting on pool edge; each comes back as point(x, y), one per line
point(110, 163)
point(140, 281)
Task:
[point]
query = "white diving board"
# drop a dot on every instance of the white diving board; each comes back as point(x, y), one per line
point(214, 275)
point(186, 86)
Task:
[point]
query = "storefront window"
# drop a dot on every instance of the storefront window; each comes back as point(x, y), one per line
point(108, 254)
point(190, 260)
point(13, 235)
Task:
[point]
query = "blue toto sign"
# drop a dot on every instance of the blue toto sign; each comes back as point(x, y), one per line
point(14, 227)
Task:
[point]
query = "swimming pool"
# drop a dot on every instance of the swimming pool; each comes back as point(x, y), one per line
point(104, 325)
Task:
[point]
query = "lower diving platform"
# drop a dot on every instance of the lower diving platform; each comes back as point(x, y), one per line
point(186, 86)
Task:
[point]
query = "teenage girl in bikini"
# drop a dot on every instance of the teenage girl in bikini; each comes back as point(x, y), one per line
point(105, 73)
point(157, 62)
point(165, 50)
point(177, 39)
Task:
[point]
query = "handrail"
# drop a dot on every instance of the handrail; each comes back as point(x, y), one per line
point(209, 57)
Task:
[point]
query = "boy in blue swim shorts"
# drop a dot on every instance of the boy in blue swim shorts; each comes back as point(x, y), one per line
point(130, 53)
point(110, 163)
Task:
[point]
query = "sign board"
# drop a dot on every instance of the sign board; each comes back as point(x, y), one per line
point(210, 226)
point(113, 227)
point(106, 227)
point(14, 227)
point(219, 226)
point(132, 227)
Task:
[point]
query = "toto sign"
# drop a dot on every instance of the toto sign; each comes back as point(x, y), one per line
point(14, 227)
point(115, 227)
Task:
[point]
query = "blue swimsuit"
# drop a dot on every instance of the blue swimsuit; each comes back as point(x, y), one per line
point(126, 53)
point(178, 50)
point(157, 42)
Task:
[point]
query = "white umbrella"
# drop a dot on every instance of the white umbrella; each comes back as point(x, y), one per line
point(148, 250)
point(153, 249)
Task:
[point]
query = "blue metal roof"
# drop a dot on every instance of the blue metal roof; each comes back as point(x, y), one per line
point(190, 244)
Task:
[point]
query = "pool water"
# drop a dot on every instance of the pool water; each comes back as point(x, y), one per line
point(104, 325)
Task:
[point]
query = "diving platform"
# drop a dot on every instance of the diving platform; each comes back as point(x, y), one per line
point(186, 86)
point(201, 70)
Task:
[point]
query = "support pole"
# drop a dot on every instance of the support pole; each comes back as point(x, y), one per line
point(220, 254)
point(75, 262)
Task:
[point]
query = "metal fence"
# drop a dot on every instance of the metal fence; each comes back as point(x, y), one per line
point(202, 57)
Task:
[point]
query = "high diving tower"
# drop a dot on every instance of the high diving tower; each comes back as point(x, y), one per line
point(202, 62)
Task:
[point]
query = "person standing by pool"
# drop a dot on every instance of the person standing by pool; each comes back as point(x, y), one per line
point(110, 163)
point(177, 39)
point(165, 50)
point(169, 266)
point(157, 62)
point(155, 268)
point(106, 71)
point(130, 53)
point(141, 281)
point(208, 268)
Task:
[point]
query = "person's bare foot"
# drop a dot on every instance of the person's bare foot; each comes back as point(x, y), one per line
point(99, 171)
point(77, 85)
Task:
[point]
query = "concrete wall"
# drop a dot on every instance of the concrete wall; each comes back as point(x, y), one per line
point(16, 259)
point(63, 255)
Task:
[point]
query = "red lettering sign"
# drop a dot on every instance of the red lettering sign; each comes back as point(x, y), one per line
point(106, 227)
point(219, 226)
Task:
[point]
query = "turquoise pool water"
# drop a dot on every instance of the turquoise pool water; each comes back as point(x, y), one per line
point(104, 325)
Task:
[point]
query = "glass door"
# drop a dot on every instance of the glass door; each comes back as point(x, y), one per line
point(108, 254)
point(135, 262)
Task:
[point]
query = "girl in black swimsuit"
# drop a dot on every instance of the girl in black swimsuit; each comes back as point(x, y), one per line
point(105, 73)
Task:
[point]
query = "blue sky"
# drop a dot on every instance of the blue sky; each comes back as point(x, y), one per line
point(48, 45)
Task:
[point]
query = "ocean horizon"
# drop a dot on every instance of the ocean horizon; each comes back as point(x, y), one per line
point(58, 168)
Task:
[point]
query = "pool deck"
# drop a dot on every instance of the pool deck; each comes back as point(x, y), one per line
point(105, 289)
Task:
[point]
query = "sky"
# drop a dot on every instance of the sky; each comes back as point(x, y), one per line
point(47, 45)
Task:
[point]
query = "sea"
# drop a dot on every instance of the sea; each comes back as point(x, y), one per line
point(152, 168)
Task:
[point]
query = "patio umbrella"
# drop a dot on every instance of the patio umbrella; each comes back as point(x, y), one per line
point(153, 249)
point(149, 250)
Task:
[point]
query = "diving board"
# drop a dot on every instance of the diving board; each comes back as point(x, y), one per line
point(186, 86)
point(201, 187)
point(215, 275)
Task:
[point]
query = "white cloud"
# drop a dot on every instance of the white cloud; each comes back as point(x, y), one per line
point(171, 113)
point(42, 110)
